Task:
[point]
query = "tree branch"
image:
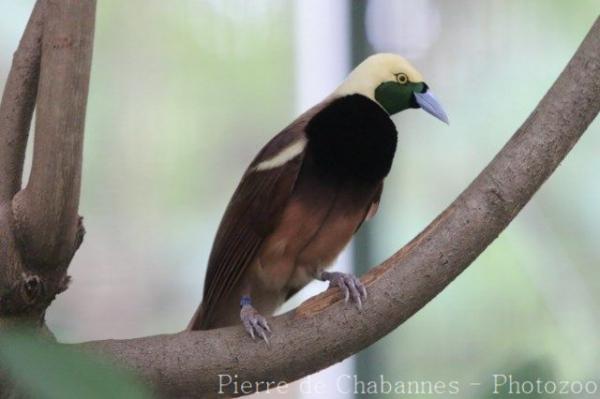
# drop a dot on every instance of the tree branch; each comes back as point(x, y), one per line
point(187, 364)
point(17, 104)
point(40, 229)
point(46, 210)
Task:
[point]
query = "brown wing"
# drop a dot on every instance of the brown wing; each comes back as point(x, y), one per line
point(374, 207)
point(371, 210)
point(250, 216)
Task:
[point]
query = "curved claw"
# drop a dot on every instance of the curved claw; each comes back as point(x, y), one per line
point(354, 291)
point(363, 290)
point(249, 328)
point(263, 323)
point(254, 323)
point(349, 284)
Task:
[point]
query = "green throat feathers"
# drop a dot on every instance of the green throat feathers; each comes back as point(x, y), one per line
point(395, 97)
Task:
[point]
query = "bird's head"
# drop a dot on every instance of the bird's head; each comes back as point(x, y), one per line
point(393, 83)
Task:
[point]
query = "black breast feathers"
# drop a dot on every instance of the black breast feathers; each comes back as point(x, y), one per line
point(352, 137)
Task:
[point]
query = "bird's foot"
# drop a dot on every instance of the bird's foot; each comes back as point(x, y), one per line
point(254, 323)
point(350, 285)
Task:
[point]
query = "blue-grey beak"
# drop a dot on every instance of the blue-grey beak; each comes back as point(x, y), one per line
point(431, 105)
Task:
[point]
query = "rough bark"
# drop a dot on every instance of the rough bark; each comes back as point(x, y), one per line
point(16, 110)
point(40, 226)
point(322, 331)
point(17, 105)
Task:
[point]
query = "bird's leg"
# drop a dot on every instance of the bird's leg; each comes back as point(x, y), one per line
point(348, 283)
point(253, 321)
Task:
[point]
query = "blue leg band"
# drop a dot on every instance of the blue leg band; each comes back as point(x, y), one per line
point(245, 300)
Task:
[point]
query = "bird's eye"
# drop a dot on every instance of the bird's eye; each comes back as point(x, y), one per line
point(401, 78)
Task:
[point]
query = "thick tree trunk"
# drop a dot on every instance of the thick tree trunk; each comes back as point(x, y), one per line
point(40, 229)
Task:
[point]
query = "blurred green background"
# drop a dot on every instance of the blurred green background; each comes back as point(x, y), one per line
point(184, 93)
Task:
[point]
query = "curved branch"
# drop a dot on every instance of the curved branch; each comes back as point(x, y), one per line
point(40, 229)
point(46, 210)
point(188, 364)
point(17, 104)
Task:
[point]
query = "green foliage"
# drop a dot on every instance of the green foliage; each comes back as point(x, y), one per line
point(51, 371)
